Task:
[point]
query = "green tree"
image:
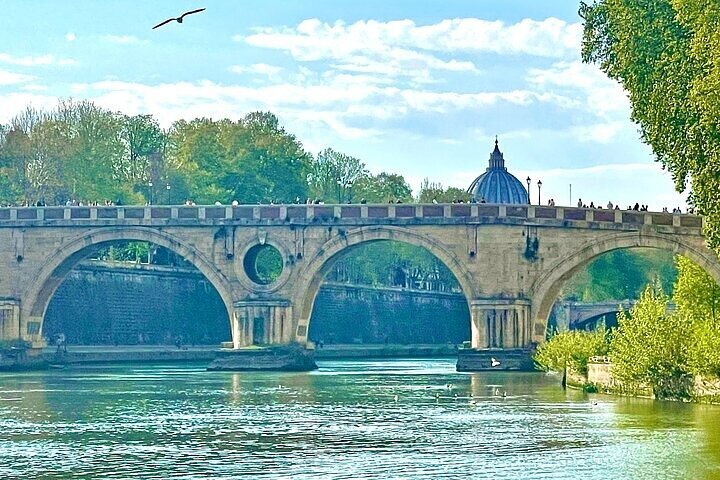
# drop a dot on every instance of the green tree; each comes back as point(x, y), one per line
point(663, 52)
point(431, 192)
point(333, 176)
point(142, 162)
point(572, 349)
point(382, 188)
point(390, 263)
point(697, 299)
point(622, 274)
point(650, 346)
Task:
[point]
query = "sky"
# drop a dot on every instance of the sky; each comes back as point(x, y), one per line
point(419, 88)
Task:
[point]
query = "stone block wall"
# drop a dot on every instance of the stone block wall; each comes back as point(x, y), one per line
point(98, 305)
point(357, 314)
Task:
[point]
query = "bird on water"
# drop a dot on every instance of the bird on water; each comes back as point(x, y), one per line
point(178, 19)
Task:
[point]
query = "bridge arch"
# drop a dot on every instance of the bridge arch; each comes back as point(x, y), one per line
point(547, 287)
point(61, 261)
point(318, 267)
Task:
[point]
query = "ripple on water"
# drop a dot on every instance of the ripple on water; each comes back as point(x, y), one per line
point(341, 422)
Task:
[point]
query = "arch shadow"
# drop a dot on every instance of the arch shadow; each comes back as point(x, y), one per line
point(60, 262)
point(547, 287)
point(319, 266)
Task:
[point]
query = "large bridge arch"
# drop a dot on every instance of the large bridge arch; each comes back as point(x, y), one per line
point(313, 274)
point(547, 287)
point(62, 260)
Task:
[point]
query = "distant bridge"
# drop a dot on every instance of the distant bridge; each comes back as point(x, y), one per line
point(510, 260)
point(586, 315)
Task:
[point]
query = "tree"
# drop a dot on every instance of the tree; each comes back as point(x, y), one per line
point(663, 52)
point(572, 349)
point(622, 274)
point(382, 188)
point(431, 192)
point(697, 299)
point(334, 175)
point(650, 345)
point(142, 164)
point(252, 160)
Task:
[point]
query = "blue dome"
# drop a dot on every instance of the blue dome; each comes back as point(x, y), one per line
point(497, 185)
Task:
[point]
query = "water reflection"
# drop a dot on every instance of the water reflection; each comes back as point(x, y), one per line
point(359, 419)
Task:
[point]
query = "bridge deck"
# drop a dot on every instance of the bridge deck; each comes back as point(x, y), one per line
point(350, 214)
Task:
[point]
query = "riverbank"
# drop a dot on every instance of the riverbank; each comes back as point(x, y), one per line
point(95, 354)
point(599, 378)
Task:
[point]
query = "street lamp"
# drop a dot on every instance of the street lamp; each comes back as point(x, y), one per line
point(539, 185)
point(150, 185)
point(339, 188)
point(528, 189)
point(167, 187)
point(348, 186)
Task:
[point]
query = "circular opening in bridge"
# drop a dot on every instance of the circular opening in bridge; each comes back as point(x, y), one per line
point(263, 264)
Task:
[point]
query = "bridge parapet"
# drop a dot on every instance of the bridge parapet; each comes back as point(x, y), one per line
point(349, 214)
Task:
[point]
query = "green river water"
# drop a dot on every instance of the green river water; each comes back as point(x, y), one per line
point(341, 422)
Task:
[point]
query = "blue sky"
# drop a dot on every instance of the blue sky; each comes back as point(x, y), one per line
point(419, 88)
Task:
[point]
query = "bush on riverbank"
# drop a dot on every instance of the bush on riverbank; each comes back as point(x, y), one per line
point(653, 347)
point(572, 349)
point(650, 346)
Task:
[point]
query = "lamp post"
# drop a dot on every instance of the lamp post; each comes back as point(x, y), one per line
point(528, 189)
point(167, 187)
point(339, 189)
point(348, 186)
point(539, 185)
point(150, 188)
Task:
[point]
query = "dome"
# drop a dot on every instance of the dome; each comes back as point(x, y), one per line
point(497, 185)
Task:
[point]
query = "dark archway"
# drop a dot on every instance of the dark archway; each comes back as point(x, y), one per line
point(385, 291)
point(125, 303)
point(62, 261)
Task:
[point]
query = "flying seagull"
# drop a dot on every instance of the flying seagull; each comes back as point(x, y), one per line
point(494, 362)
point(178, 19)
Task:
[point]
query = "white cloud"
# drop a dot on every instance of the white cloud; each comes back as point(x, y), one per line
point(30, 61)
point(336, 100)
point(271, 72)
point(12, 78)
point(70, 37)
point(316, 40)
point(602, 96)
point(14, 103)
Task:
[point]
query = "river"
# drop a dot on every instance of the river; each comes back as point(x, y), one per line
point(375, 419)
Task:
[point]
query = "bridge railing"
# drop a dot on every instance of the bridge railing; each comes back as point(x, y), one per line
point(348, 212)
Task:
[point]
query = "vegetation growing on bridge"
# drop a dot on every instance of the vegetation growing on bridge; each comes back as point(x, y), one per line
point(664, 53)
point(652, 345)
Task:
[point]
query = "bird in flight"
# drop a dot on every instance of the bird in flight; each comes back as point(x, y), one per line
point(178, 19)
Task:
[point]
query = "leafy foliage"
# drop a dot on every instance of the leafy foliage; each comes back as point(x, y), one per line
point(390, 263)
point(431, 192)
point(333, 175)
point(663, 52)
point(571, 349)
point(650, 346)
point(382, 188)
point(697, 298)
point(622, 274)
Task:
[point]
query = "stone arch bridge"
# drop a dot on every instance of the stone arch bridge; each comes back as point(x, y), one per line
point(510, 260)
